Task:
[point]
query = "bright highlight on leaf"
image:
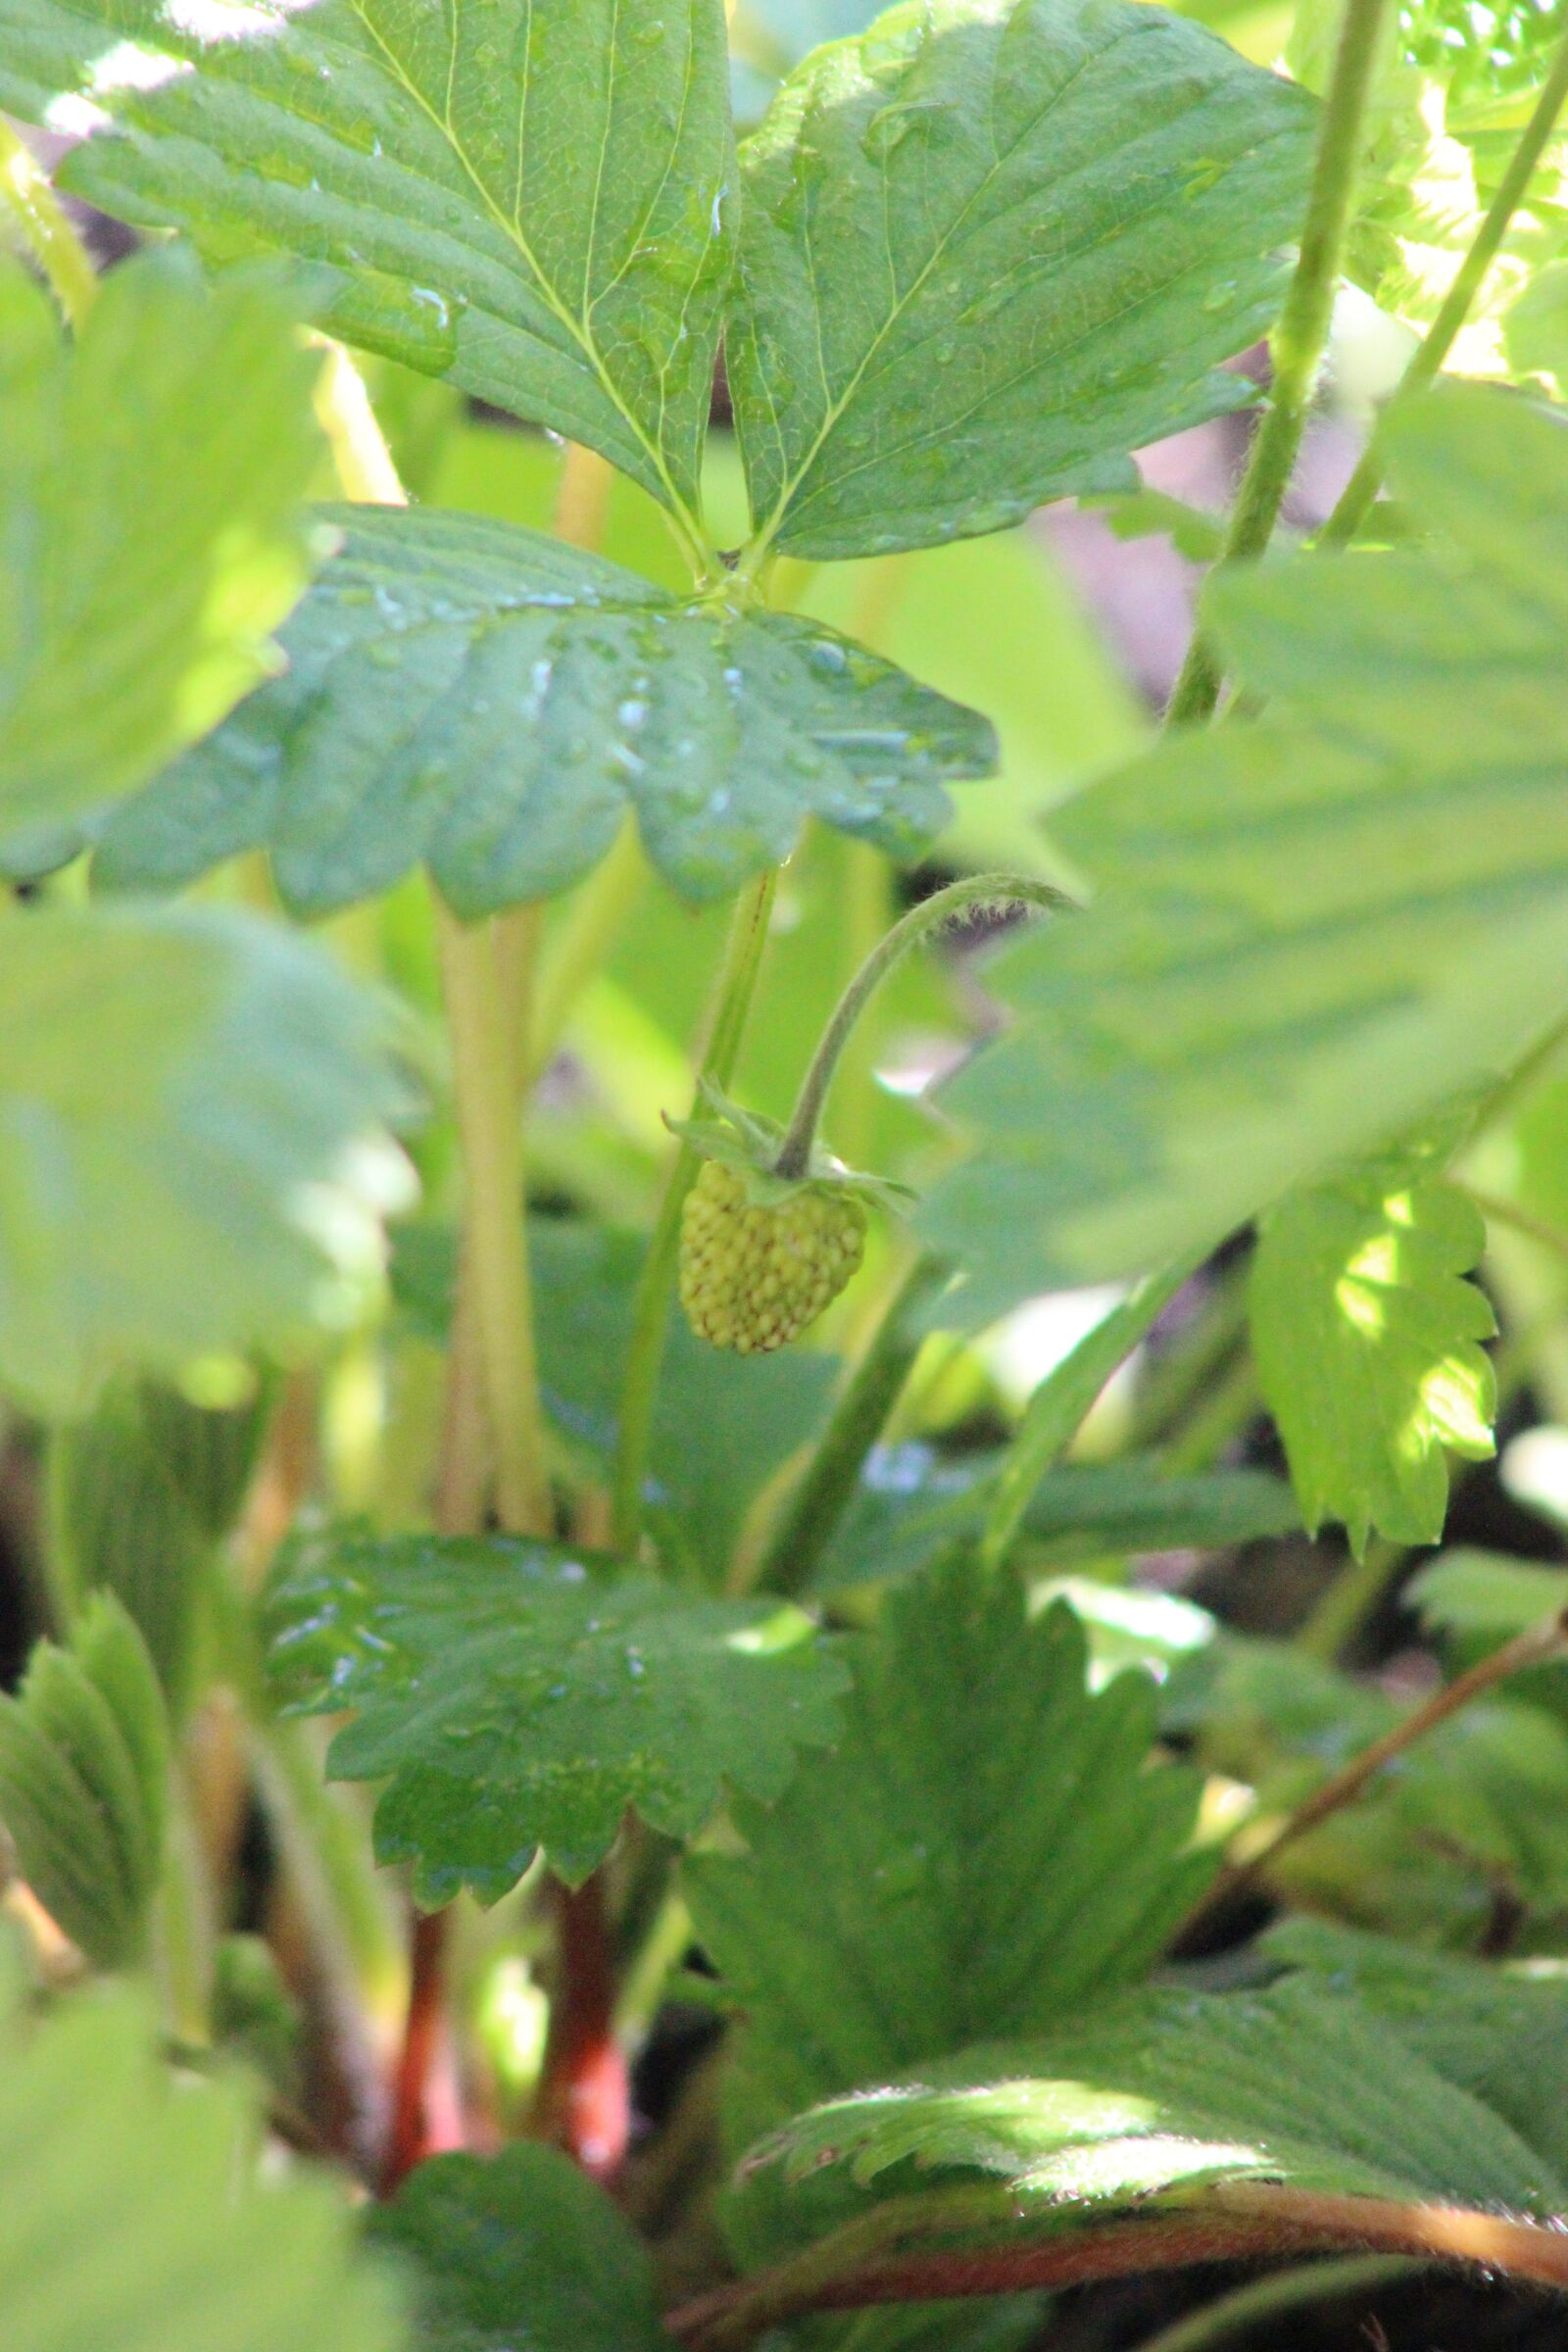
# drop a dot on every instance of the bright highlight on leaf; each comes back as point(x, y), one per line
point(133, 2215)
point(151, 544)
point(191, 1157)
point(1309, 934)
point(519, 1698)
point(490, 701)
point(1366, 1338)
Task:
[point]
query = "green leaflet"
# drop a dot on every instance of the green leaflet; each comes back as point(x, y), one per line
point(150, 546)
point(491, 701)
point(989, 249)
point(520, 1698)
point(910, 1504)
point(132, 2212)
point(980, 1801)
point(1313, 932)
point(84, 1774)
point(526, 196)
point(1498, 2034)
point(522, 2250)
point(1365, 1334)
point(1167, 2088)
point(1487, 1593)
point(180, 1088)
point(720, 1431)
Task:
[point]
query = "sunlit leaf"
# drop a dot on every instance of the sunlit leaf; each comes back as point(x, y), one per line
point(987, 250)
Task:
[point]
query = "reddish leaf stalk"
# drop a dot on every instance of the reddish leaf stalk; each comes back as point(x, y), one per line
point(426, 2115)
point(1245, 2221)
point(585, 2095)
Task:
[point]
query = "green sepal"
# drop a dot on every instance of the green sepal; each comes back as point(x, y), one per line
point(749, 1144)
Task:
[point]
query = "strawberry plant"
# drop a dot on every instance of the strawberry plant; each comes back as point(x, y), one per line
point(732, 1310)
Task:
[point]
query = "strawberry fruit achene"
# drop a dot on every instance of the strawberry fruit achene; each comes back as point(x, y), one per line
point(754, 1274)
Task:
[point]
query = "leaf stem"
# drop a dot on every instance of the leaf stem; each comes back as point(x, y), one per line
point(1282, 2291)
point(733, 986)
point(919, 924)
point(1057, 1409)
point(489, 1122)
point(46, 229)
point(826, 1486)
point(1299, 338)
point(1539, 1230)
point(1436, 344)
point(1533, 1648)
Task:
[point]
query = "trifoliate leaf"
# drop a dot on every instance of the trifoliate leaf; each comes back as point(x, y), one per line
point(526, 198)
point(986, 1849)
point(491, 701)
point(519, 1698)
point(1167, 2088)
point(520, 2250)
point(987, 250)
point(152, 474)
point(133, 2216)
point(190, 1160)
point(1367, 1338)
point(83, 1773)
point(1309, 933)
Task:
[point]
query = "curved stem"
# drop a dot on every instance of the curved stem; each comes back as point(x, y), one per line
point(1057, 1409)
point(827, 1485)
point(1300, 337)
point(1282, 2291)
point(733, 988)
point(46, 232)
point(1438, 341)
point(943, 906)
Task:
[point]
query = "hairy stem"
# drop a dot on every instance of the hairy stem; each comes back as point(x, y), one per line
point(1533, 1648)
point(733, 989)
point(828, 1484)
point(921, 923)
point(1299, 339)
point(45, 230)
point(1057, 1409)
point(1235, 2222)
point(584, 2102)
point(1439, 340)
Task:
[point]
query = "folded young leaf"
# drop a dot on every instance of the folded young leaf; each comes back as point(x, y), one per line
point(1311, 933)
point(151, 545)
point(524, 196)
point(492, 702)
point(84, 1754)
point(1168, 2090)
point(521, 2249)
point(518, 1698)
point(986, 1849)
point(990, 247)
point(133, 2215)
point(181, 1088)
point(1367, 1338)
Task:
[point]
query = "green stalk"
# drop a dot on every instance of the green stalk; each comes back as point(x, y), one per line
point(46, 232)
point(1437, 343)
point(1299, 340)
point(490, 1123)
point(1058, 1407)
point(577, 951)
point(733, 988)
point(182, 1926)
point(827, 1485)
point(976, 890)
point(1281, 2291)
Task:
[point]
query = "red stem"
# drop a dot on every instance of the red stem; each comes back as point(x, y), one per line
point(585, 2095)
point(423, 2121)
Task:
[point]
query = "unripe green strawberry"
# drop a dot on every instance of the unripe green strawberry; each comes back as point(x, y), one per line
point(752, 1273)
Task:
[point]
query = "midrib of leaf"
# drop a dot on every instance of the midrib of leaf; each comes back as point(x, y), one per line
point(763, 539)
point(693, 538)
